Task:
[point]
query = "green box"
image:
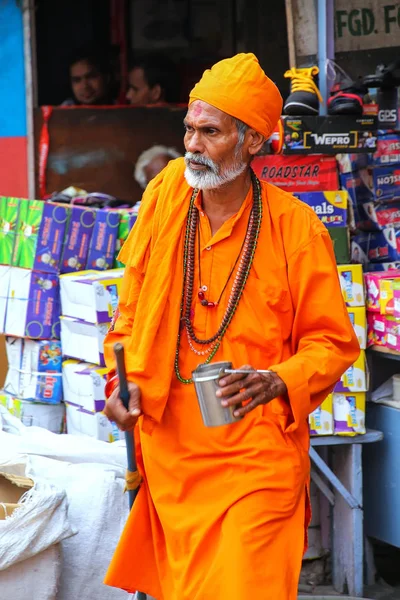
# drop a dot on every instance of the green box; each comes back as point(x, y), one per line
point(9, 208)
point(29, 219)
point(340, 237)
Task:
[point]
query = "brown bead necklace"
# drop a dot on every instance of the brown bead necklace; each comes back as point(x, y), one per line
point(245, 260)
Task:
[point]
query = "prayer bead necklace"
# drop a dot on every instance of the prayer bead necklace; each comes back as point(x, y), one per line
point(245, 260)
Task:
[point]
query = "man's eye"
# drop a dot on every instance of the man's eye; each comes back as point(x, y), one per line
point(188, 128)
point(211, 131)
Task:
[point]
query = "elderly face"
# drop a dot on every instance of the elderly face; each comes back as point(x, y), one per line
point(211, 141)
point(155, 167)
point(88, 84)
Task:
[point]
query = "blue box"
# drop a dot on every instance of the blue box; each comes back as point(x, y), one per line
point(380, 246)
point(386, 182)
point(102, 246)
point(330, 207)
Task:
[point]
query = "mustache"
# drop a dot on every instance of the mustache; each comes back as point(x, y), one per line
point(201, 160)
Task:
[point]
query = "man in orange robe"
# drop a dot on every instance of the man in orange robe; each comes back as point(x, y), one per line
point(222, 512)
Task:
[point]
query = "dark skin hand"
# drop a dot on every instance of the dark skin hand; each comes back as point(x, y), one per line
point(261, 388)
point(116, 411)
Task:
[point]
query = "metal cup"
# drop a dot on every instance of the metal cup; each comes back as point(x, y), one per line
point(205, 379)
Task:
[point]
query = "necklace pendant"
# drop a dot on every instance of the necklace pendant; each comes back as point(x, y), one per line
point(201, 295)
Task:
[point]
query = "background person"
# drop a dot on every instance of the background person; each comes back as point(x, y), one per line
point(152, 79)
point(151, 162)
point(91, 79)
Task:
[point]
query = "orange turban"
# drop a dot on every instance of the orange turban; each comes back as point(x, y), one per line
point(239, 87)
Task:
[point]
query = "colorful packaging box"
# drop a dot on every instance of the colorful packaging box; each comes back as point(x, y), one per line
point(102, 246)
point(91, 296)
point(349, 413)
point(378, 267)
point(84, 385)
point(330, 207)
point(388, 149)
point(386, 292)
point(355, 379)
point(29, 221)
point(340, 237)
point(83, 341)
point(380, 216)
point(321, 419)
point(393, 333)
point(33, 306)
point(352, 284)
point(359, 185)
point(373, 285)
point(349, 163)
point(92, 424)
point(298, 173)
point(5, 276)
point(51, 237)
point(14, 349)
point(126, 222)
point(9, 208)
point(380, 246)
point(35, 414)
point(358, 318)
point(376, 324)
point(396, 298)
point(78, 236)
point(387, 183)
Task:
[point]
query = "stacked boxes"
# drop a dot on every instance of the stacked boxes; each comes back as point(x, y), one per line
point(343, 412)
point(88, 301)
point(383, 303)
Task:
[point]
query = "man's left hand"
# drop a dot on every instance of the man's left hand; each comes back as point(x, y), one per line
point(257, 388)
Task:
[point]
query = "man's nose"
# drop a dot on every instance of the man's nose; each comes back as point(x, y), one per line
point(193, 143)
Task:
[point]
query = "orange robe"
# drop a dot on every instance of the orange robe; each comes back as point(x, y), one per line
point(222, 512)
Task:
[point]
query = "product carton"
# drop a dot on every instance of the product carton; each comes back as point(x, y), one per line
point(359, 185)
point(388, 149)
point(380, 246)
point(393, 333)
point(12, 488)
point(321, 419)
point(29, 221)
point(396, 298)
point(340, 237)
point(78, 235)
point(9, 208)
point(388, 266)
point(358, 318)
point(298, 173)
point(386, 293)
point(96, 425)
point(379, 216)
point(373, 285)
point(349, 413)
point(330, 207)
point(5, 276)
point(84, 385)
point(82, 340)
point(352, 284)
point(91, 296)
point(36, 414)
point(21, 224)
point(33, 307)
point(51, 238)
point(104, 239)
point(126, 222)
point(376, 329)
point(34, 370)
point(350, 163)
point(355, 379)
point(387, 183)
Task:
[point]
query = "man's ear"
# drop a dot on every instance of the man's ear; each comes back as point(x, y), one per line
point(256, 142)
point(155, 93)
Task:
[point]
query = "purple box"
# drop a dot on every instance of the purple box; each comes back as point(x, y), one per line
point(79, 233)
point(51, 238)
point(387, 183)
point(103, 242)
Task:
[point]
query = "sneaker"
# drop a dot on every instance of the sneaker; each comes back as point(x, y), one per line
point(304, 96)
point(347, 99)
point(384, 77)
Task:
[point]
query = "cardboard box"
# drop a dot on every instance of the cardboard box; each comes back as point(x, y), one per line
point(29, 220)
point(376, 324)
point(23, 206)
point(352, 284)
point(91, 296)
point(358, 318)
point(388, 149)
point(351, 163)
point(84, 385)
point(82, 340)
point(329, 135)
point(392, 333)
point(349, 413)
point(380, 246)
point(78, 236)
point(36, 414)
point(330, 207)
point(387, 183)
point(321, 419)
point(379, 216)
point(96, 425)
point(9, 208)
point(340, 237)
point(298, 173)
point(126, 222)
point(355, 379)
point(5, 276)
point(12, 488)
point(379, 267)
point(373, 285)
point(51, 237)
point(102, 246)
point(33, 307)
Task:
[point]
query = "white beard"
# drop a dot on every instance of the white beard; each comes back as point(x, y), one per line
point(212, 177)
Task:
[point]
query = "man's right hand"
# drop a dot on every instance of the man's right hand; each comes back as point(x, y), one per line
point(116, 411)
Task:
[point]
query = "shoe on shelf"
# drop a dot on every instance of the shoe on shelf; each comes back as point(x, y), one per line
point(304, 96)
point(347, 98)
point(384, 76)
